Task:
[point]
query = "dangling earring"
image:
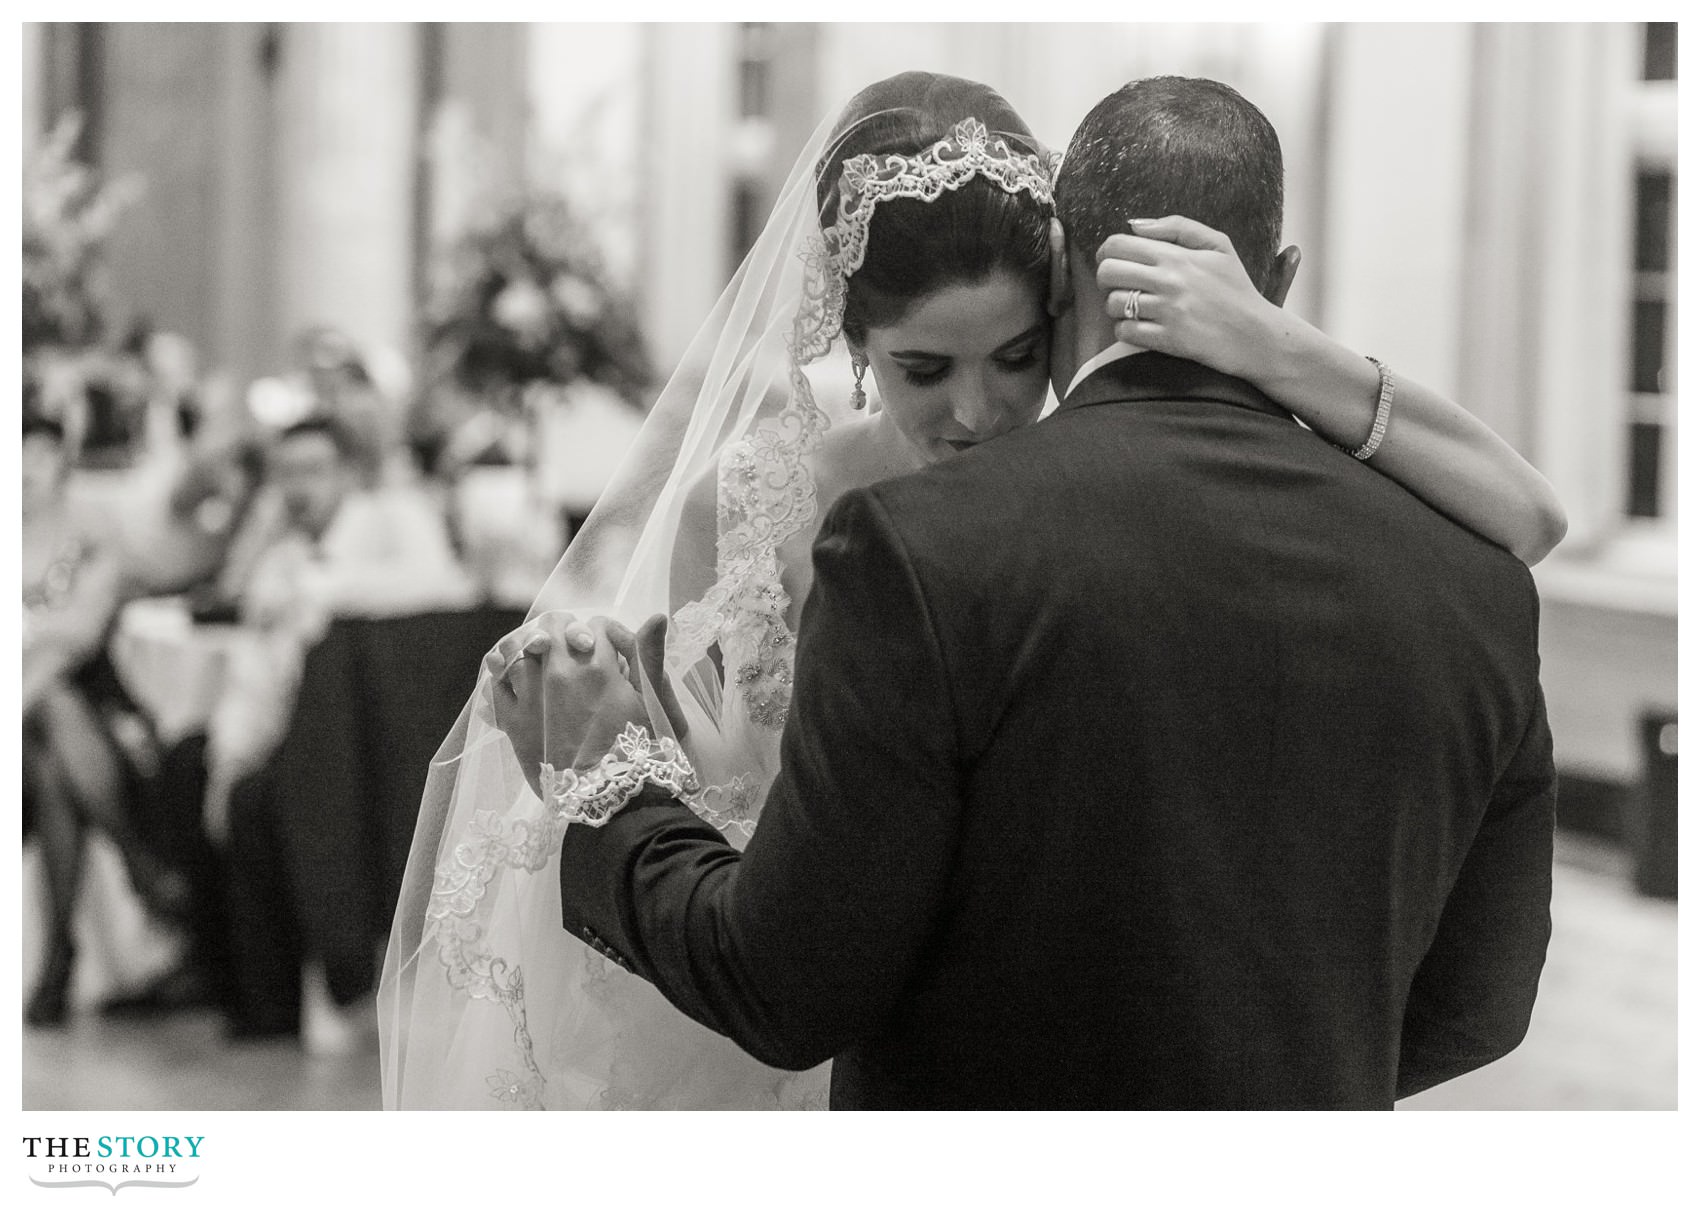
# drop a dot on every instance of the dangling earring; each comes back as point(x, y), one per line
point(858, 394)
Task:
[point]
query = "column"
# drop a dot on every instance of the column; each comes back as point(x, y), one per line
point(585, 93)
point(245, 341)
point(33, 49)
point(345, 162)
point(1398, 151)
point(1579, 206)
point(688, 119)
point(161, 127)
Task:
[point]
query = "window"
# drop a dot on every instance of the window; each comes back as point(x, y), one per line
point(756, 48)
point(1652, 362)
point(1658, 60)
point(755, 69)
point(748, 215)
point(74, 79)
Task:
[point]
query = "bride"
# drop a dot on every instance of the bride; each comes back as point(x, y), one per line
point(916, 224)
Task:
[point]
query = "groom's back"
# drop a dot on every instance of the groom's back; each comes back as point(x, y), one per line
point(1232, 708)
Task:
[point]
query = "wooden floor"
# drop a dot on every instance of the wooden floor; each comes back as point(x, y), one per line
point(1603, 1037)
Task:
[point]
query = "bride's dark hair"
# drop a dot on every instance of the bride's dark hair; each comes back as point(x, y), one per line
point(966, 234)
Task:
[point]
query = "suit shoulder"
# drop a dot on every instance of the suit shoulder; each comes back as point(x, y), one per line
point(962, 498)
point(969, 482)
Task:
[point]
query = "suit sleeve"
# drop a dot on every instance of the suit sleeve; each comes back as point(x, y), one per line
point(1475, 989)
point(806, 942)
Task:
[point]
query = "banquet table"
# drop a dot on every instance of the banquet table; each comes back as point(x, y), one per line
point(320, 838)
point(173, 666)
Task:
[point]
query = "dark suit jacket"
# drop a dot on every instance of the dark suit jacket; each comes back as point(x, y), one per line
point(1155, 756)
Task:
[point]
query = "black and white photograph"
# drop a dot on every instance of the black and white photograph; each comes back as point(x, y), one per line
point(950, 566)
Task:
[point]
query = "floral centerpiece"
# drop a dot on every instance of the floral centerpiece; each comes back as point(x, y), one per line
point(526, 330)
point(524, 298)
point(68, 214)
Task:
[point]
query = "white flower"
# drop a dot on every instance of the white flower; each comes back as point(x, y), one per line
point(578, 298)
point(522, 308)
point(279, 402)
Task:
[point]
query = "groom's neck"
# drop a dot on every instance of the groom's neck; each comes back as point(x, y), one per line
point(1094, 332)
point(1083, 330)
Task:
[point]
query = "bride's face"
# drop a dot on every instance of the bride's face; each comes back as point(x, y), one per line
point(964, 364)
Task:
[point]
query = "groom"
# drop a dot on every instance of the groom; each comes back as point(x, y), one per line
point(1154, 756)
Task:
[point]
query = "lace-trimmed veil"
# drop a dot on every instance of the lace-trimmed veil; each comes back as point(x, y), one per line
point(485, 1001)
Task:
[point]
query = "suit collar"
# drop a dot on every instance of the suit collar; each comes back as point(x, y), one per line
point(1155, 376)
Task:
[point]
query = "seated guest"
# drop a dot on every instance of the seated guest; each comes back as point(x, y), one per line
point(212, 501)
point(191, 538)
point(341, 550)
point(86, 747)
point(337, 550)
point(209, 534)
point(337, 376)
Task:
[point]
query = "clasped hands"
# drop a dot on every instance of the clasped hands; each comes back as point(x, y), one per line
point(565, 688)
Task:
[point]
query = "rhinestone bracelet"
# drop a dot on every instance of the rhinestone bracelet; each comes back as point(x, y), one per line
point(593, 796)
point(1383, 409)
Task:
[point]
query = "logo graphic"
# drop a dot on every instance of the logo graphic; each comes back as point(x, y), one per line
point(115, 1188)
point(113, 1162)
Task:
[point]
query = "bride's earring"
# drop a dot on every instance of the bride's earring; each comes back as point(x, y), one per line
point(858, 394)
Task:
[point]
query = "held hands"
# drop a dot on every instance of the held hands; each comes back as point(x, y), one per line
point(564, 689)
point(1195, 300)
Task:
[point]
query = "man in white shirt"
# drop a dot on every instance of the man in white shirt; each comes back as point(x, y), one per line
point(338, 550)
point(342, 551)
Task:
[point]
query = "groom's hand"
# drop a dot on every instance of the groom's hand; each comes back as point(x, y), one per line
point(1195, 299)
point(644, 658)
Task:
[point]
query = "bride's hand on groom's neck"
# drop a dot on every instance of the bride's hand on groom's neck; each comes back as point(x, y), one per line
point(1195, 299)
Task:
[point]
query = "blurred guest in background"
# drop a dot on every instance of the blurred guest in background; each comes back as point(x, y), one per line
point(347, 548)
point(336, 549)
point(361, 390)
point(211, 505)
point(86, 747)
point(200, 556)
point(339, 385)
point(341, 550)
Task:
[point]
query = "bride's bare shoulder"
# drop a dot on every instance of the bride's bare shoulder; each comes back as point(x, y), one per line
point(849, 457)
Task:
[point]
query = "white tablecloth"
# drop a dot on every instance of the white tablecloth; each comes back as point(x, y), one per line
point(172, 665)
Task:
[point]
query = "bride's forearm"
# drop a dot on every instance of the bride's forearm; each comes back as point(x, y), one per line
point(1207, 309)
point(1433, 447)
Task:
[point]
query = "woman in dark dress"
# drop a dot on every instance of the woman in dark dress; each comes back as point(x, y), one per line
point(85, 744)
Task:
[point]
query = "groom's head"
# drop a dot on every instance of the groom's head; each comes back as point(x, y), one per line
point(1169, 145)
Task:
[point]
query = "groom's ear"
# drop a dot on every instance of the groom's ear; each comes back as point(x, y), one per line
point(1061, 296)
point(1286, 265)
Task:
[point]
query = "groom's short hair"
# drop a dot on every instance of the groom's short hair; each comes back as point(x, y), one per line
point(1172, 145)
